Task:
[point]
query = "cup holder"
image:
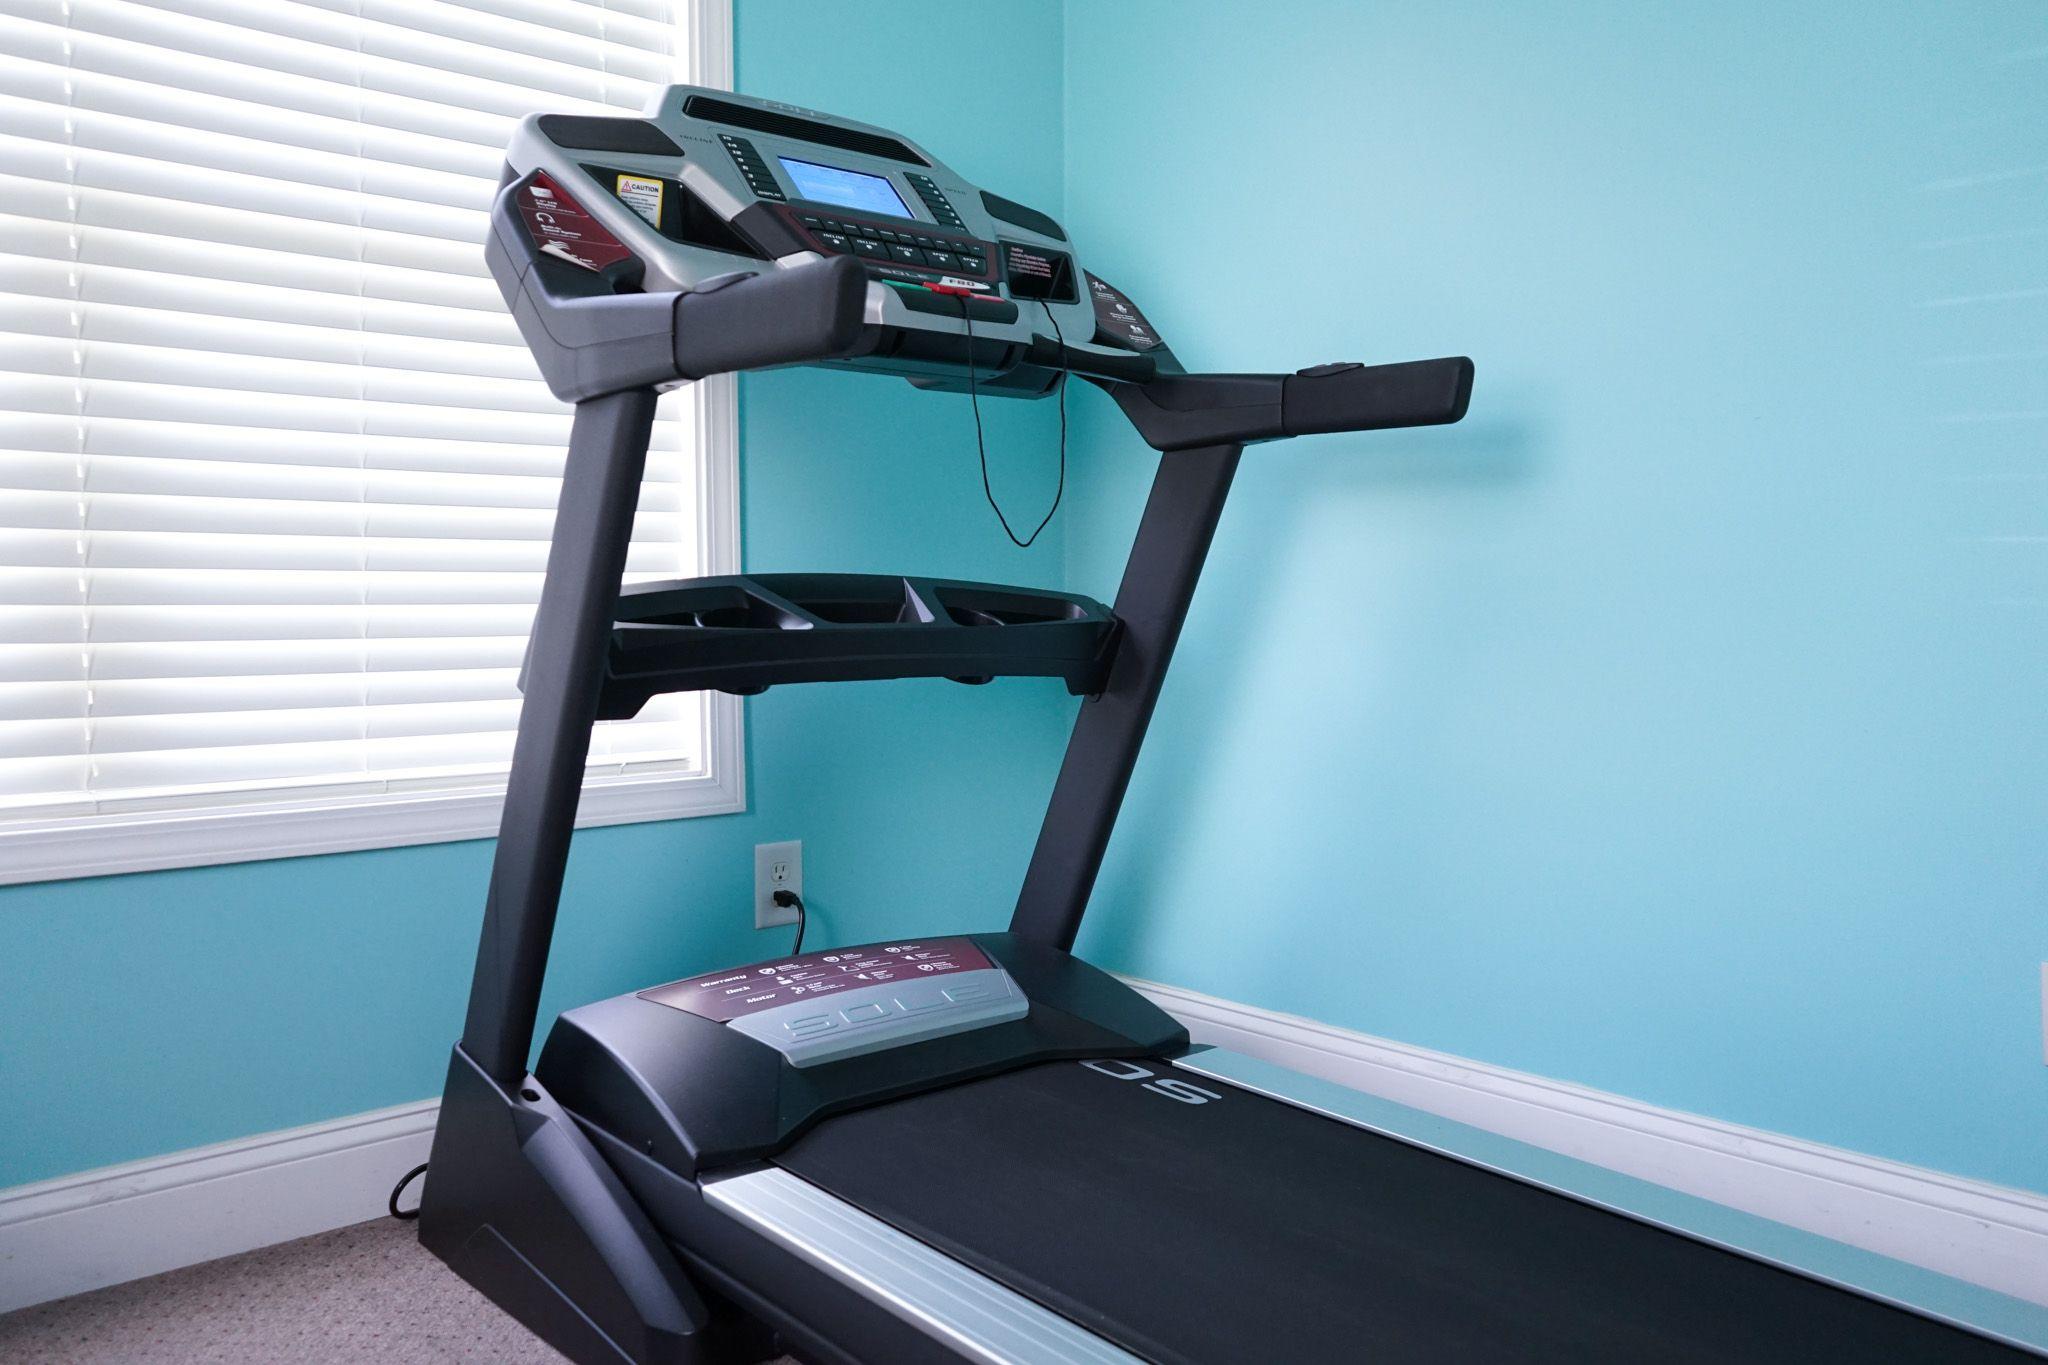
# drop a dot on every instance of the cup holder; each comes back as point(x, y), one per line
point(725, 608)
point(859, 613)
point(753, 616)
point(846, 609)
point(982, 608)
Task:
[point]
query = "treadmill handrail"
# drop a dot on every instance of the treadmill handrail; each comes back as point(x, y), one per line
point(1187, 411)
point(782, 317)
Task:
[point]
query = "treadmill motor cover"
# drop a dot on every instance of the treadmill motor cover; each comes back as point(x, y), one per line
point(823, 1006)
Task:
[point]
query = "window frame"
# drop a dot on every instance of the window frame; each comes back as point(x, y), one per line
point(103, 844)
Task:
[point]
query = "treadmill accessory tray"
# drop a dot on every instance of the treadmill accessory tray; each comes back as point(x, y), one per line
point(744, 634)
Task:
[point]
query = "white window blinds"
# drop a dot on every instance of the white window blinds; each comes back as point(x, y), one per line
point(276, 473)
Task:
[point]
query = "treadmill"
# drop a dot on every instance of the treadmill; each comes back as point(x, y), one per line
point(976, 1146)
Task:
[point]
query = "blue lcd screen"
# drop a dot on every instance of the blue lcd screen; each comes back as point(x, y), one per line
point(848, 189)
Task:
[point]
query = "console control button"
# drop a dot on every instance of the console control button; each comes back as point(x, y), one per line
point(934, 199)
point(835, 242)
point(874, 251)
point(908, 255)
point(758, 177)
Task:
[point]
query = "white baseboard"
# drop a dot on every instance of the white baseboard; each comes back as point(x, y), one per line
point(87, 1231)
point(1985, 1234)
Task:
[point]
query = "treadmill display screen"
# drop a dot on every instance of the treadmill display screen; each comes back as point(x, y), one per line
point(848, 189)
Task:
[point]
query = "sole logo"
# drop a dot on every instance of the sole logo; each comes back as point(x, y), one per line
point(1187, 1092)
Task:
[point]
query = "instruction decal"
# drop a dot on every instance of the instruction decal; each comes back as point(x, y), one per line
point(1117, 318)
point(560, 228)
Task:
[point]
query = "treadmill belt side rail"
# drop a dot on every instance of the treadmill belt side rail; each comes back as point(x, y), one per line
point(985, 1320)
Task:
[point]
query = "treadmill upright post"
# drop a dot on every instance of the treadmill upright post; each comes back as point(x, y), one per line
point(564, 671)
point(1159, 580)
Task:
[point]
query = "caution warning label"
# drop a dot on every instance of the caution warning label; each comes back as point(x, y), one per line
point(642, 194)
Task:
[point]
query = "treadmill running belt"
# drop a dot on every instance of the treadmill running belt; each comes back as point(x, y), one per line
point(1243, 1229)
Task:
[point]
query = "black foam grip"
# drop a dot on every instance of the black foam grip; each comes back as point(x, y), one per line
point(1415, 393)
point(635, 135)
point(781, 317)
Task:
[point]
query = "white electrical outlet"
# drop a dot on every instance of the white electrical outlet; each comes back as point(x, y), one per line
point(777, 867)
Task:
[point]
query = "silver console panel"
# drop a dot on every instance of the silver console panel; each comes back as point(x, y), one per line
point(887, 1015)
point(733, 168)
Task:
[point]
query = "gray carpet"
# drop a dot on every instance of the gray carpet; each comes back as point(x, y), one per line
point(364, 1293)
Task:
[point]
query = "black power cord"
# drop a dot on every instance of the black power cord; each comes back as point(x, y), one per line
point(981, 445)
point(786, 899)
point(406, 1215)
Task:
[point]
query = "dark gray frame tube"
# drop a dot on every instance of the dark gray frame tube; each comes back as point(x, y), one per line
point(1159, 580)
point(564, 671)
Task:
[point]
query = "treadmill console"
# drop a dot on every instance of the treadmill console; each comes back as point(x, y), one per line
point(710, 185)
point(820, 1007)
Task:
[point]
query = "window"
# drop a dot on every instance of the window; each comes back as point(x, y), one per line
point(276, 473)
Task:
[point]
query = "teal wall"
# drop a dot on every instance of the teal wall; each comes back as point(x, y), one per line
point(148, 1013)
point(1676, 725)
point(1673, 726)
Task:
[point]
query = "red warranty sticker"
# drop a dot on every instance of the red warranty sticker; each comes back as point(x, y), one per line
point(561, 229)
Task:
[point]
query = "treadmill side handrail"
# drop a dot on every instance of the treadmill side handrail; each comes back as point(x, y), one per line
point(1182, 412)
point(783, 317)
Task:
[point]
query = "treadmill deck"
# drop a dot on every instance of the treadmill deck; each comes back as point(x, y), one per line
point(1188, 1220)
